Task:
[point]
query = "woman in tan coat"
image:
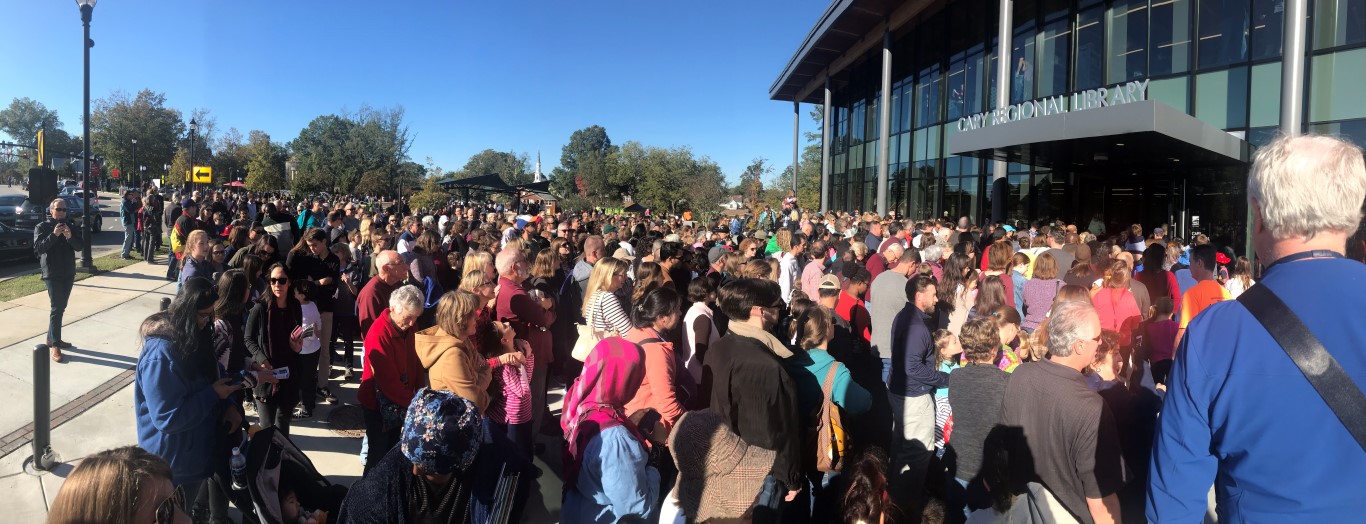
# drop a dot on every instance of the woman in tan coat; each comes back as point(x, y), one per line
point(450, 350)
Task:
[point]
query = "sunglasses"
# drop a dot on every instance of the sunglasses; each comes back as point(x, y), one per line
point(166, 511)
point(62, 209)
point(284, 280)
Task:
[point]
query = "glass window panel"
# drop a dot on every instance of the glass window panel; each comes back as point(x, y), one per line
point(1170, 38)
point(1017, 198)
point(1267, 18)
point(957, 84)
point(927, 97)
point(1221, 98)
point(870, 189)
point(1022, 55)
point(856, 157)
point(872, 119)
point(905, 147)
point(925, 181)
point(1354, 130)
point(907, 89)
point(1090, 48)
point(1266, 95)
point(971, 205)
point(1259, 137)
point(1335, 90)
point(1338, 22)
point(1223, 32)
point(1055, 49)
point(1126, 24)
point(1171, 91)
point(896, 108)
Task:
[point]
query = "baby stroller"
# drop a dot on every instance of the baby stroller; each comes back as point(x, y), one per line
point(274, 461)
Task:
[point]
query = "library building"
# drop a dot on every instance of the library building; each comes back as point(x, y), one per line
point(1120, 111)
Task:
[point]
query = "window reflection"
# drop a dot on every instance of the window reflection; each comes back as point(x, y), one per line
point(1055, 44)
point(1128, 43)
point(1170, 43)
point(1223, 32)
point(1339, 22)
point(1090, 48)
point(1267, 18)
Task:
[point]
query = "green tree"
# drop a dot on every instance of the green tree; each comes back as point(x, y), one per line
point(230, 156)
point(586, 166)
point(341, 151)
point(752, 180)
point(265, 163)
point(430, 197)
point(120, 118)
point(24, 117)
point(513, 168)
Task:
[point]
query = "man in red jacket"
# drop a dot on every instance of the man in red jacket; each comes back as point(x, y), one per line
point(530, 317)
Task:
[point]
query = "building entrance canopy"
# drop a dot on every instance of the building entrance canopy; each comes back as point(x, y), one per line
point(1139, 135)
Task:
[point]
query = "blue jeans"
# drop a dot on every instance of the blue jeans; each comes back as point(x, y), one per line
point(58, 292)
point(886, 370)
point(130, 239)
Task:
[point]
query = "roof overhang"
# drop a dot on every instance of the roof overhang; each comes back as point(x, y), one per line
point(1138, 135)
point(847, 30)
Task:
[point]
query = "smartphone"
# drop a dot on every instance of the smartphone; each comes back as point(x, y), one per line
point(280, 373)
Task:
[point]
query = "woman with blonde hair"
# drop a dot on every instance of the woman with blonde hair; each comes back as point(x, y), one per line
point(449, 350)
point(482, 261)
point(196, 261)
point(126, 485)
point(1115, 304)
point(602, 309)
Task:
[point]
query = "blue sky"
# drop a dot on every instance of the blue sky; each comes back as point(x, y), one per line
point(507, 75)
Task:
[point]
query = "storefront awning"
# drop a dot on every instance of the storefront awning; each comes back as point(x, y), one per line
point(1138, 135)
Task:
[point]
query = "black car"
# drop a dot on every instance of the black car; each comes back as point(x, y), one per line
point(9, 208)
point(30, 215)
point(15, 243)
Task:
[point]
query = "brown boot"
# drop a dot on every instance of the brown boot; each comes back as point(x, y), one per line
point(56, 353)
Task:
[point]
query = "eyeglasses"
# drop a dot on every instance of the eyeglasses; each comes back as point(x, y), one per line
point(62, 209)
point(219, 252)
point(166, 511)
point(281, 281)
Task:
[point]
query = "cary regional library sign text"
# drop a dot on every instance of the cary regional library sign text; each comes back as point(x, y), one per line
point(1089, 99)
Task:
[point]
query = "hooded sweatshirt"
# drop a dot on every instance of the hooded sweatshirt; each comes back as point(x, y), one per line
point(454, 365)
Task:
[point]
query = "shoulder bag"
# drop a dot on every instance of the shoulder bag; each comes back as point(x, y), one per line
point(1322, 370)
point(588, 335)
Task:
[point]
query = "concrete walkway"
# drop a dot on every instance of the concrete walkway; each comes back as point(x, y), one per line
point(92, 393)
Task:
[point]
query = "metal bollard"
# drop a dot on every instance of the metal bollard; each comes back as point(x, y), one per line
point(43, 456)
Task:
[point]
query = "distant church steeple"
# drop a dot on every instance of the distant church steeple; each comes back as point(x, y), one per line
point(538, 177)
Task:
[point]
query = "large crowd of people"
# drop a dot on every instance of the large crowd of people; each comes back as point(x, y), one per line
point(793, 366)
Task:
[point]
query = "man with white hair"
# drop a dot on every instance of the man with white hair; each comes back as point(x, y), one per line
point(530, 317)
point(392, 372)
point(1241, 415)
point(1052, 416)
point(373, 298)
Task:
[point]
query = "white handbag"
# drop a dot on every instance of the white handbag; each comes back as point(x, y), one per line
point(588, 337)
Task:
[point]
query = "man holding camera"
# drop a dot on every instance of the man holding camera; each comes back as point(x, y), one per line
point(56, 242)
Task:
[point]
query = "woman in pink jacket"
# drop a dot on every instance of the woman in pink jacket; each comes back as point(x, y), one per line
point(1116, 305)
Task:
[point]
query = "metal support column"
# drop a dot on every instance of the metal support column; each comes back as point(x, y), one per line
point(825, 149)
point(1292, 89)
point(884, 136)
point(998, 171)
point(796, 143)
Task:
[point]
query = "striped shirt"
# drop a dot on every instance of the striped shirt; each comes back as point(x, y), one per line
point(510, 399)
point(606, 314)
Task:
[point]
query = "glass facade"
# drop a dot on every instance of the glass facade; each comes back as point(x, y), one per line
point(1218, 60)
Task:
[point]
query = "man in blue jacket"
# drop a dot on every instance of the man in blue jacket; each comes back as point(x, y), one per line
point(910, 389)
point(1238, 413)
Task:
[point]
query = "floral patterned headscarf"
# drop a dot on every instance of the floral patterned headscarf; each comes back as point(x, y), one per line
point(442, 432)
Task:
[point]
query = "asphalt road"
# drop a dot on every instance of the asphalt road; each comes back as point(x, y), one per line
point(110, 240)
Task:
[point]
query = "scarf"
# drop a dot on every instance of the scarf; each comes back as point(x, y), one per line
point(596, 401)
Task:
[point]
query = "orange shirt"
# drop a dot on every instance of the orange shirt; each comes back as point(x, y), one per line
point(1199, 297)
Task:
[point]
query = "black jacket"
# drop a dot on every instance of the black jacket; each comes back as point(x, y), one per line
point(57, 254)
point(257, 338)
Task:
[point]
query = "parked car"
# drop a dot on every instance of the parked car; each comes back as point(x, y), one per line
point(9, 208)
point(16, 243)
point(31, 215)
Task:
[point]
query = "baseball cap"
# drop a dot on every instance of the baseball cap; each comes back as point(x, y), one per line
point(188, 202)
point(1008, 228)
point(715, 254)
point(609, 228)
point(1158, 231)
point(621, 254)
point(829, 282)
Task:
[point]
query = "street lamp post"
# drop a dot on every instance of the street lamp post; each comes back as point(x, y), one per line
point(193, 127)
point(87, 8)
point(133, 172)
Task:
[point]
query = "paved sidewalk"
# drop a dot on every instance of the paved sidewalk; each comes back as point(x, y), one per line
point(92, 394)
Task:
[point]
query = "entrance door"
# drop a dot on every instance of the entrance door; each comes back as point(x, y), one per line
point(1118, 200)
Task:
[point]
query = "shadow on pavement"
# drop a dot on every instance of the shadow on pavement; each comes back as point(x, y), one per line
point(78, 353)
